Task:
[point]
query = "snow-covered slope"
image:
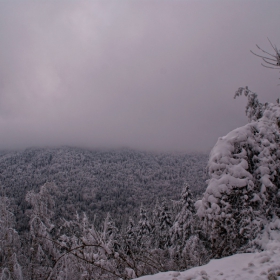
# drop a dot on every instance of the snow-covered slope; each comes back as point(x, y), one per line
point(261, 265)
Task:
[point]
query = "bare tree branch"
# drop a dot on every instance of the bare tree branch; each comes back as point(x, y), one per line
point(274, 60)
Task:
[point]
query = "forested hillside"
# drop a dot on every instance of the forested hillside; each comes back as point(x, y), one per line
point(97, 182)
point(238, 212)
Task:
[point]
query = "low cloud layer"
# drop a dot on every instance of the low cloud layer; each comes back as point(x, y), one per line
point(140, 74)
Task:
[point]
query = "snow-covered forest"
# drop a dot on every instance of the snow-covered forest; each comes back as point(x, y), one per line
point(124, 152)
point(238, 213)
point(99, 181)
point(133, 187)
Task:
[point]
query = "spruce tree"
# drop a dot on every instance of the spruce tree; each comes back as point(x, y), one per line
point(156, 224)
point(182, 227)
point(165, 224)
point(43, 251)
point(144, 229)
point(244, 169)
point(195, 253)
point(130, 238)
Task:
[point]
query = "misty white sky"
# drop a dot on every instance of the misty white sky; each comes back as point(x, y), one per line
point(139, 74)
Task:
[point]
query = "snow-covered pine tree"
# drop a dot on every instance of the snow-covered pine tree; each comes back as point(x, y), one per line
point(182, 227)
point(43, 251)
point(244, 185)
point(155, 224)
point(195, 253)
point(156, 213)
point(129, 238)
point(165, 224)
point(144, 229)
point(110, 232)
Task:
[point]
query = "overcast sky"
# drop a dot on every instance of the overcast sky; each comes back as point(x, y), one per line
point(140, 74)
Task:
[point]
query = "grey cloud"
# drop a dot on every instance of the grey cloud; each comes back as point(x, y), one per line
point(143, 74)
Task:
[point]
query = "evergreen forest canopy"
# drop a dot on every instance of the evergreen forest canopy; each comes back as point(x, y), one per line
point(98, 181)
point(238, 212)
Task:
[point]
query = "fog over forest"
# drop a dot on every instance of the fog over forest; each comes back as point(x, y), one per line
point(156, 75)
point(108, 112)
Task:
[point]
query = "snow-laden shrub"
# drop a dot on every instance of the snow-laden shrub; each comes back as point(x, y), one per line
point(243, 191)
point(269, 238)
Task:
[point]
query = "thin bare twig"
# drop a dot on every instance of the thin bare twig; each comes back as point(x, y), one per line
point(274, 60)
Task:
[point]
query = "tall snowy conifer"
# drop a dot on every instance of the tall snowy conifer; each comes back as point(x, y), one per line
point(244, 186)
point(156, 224)
point(183, 225)
point(42, 250)
point(165, 224)
point(195, 253)
point(143, 229)
point(156, 214)
point(110, 232)
point(130, 230)
point(130, 237)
